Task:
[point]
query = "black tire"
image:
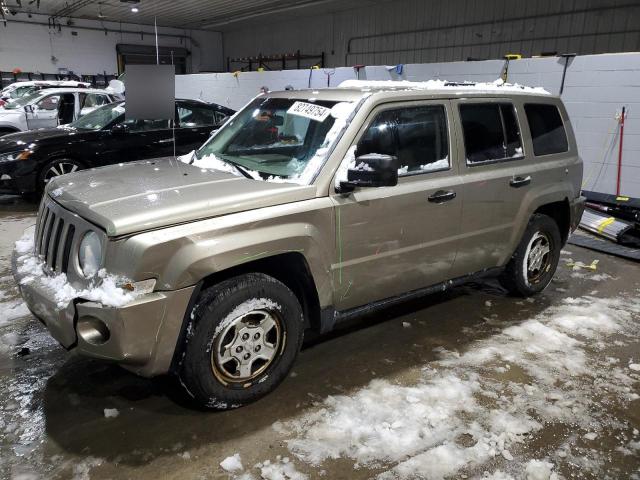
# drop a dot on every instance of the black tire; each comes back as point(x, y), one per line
point(7, 131)
point(66, 165)
point(215, 324)
point(517, 277)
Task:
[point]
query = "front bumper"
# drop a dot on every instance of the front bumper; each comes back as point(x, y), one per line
point(17, 177)
point(141, 335)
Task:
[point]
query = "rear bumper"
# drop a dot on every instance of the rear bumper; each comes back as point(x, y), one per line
point(577, 209)
point(141, 335)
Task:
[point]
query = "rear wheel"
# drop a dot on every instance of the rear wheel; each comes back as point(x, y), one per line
point(534, 263)
point(55, 168)
point(244, 336)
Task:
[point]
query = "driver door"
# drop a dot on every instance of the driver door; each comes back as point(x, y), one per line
point(392, 240)
point(44, 113)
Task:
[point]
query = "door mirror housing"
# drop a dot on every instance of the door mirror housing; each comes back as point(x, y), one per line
point(372, 170)
point(120, 129)
point(29, 108)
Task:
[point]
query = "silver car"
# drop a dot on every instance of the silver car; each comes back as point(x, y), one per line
point(50, 108)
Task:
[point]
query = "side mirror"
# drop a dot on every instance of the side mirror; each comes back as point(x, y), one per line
point(119, 129)
point(372, 170)
point(29, 108)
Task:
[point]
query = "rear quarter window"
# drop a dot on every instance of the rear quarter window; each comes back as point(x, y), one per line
point(547, 130)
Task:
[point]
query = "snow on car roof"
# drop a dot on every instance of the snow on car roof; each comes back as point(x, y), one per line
point(442, 85)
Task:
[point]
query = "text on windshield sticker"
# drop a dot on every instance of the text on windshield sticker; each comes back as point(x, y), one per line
point(309, 110)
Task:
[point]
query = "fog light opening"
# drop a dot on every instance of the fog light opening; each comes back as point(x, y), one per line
point(93, 330)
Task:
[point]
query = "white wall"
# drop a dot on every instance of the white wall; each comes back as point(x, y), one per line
point(596, 88)
point(31, 46)
point(421, 31)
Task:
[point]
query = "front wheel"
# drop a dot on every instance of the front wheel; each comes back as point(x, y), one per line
point(534, 263)
point(243, 338)
point(55, 168)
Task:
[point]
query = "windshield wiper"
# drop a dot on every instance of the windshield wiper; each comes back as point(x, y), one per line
point(242, 170)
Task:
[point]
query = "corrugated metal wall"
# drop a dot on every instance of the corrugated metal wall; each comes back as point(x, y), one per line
point(417, 31)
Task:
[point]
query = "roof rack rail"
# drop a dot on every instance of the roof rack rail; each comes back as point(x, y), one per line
point(459, 84)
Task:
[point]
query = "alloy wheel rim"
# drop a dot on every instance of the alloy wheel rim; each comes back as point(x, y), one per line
point(247, 346)
point(538, 256)
point(60, 168)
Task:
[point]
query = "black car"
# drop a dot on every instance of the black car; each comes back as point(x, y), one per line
point(28, 160)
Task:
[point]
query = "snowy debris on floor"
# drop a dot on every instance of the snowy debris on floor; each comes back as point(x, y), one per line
point(111, 412)
point(460, 418)
point(103, 290)
point(10, 311)
point(232, 463)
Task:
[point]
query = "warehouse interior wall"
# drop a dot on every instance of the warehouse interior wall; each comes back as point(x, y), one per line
point(595, 90)
point(422, 31)
point(32, 46)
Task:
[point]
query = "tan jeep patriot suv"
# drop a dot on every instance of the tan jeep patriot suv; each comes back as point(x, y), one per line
point(306, 208)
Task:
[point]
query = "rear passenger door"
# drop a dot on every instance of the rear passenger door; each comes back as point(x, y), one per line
point(497, 173)
point(392, 240)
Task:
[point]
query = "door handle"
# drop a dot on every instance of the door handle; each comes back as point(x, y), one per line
point(517, 182)
point(167, 140)
point(442, 196)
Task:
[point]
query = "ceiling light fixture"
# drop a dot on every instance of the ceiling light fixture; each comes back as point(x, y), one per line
point(134, 9)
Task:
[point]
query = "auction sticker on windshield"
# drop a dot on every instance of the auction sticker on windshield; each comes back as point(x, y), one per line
point(309, 110)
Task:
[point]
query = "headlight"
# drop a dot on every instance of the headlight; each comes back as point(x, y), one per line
point(13, 156)
point(90, 254)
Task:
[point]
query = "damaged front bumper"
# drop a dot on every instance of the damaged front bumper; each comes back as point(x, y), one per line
point(141, 335)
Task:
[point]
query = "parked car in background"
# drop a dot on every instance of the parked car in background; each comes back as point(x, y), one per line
point(50, 108)
point(29, 160)
point(20, 89)
point(306, 209)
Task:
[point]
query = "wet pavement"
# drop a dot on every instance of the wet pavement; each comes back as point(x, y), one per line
point(63, 416)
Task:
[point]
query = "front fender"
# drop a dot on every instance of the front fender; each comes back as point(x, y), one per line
point(182, 255)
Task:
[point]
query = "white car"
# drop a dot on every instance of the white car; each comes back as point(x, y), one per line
point(20, 89)
point(50, 108)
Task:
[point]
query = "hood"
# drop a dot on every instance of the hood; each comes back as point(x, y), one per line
point(4, 112)
point(132, 197)
point(19, 139)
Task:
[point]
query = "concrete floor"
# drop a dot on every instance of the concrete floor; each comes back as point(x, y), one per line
point(52, 403)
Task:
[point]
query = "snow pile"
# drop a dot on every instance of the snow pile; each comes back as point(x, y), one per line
point(460, 417)
point(232, 463)
point(104, 289)
point(10, 311)
point(280, 469)
point(495, 86)
point(111, 412)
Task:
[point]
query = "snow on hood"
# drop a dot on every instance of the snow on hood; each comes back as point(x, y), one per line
point(495, 86)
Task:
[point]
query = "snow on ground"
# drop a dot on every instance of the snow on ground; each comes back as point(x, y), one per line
point(467, 415)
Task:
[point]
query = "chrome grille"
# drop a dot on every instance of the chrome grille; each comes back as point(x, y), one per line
point(55, 233)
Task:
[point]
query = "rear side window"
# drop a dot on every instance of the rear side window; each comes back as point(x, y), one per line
point(416, 135)
point(491, 132)
point(547, 130)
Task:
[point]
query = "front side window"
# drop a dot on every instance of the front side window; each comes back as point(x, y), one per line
point(491, 132)
point(416, 135)
point(50, 102)
point(136, 125)
point(547, 130)
point(284, 138)
point(195, 116)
